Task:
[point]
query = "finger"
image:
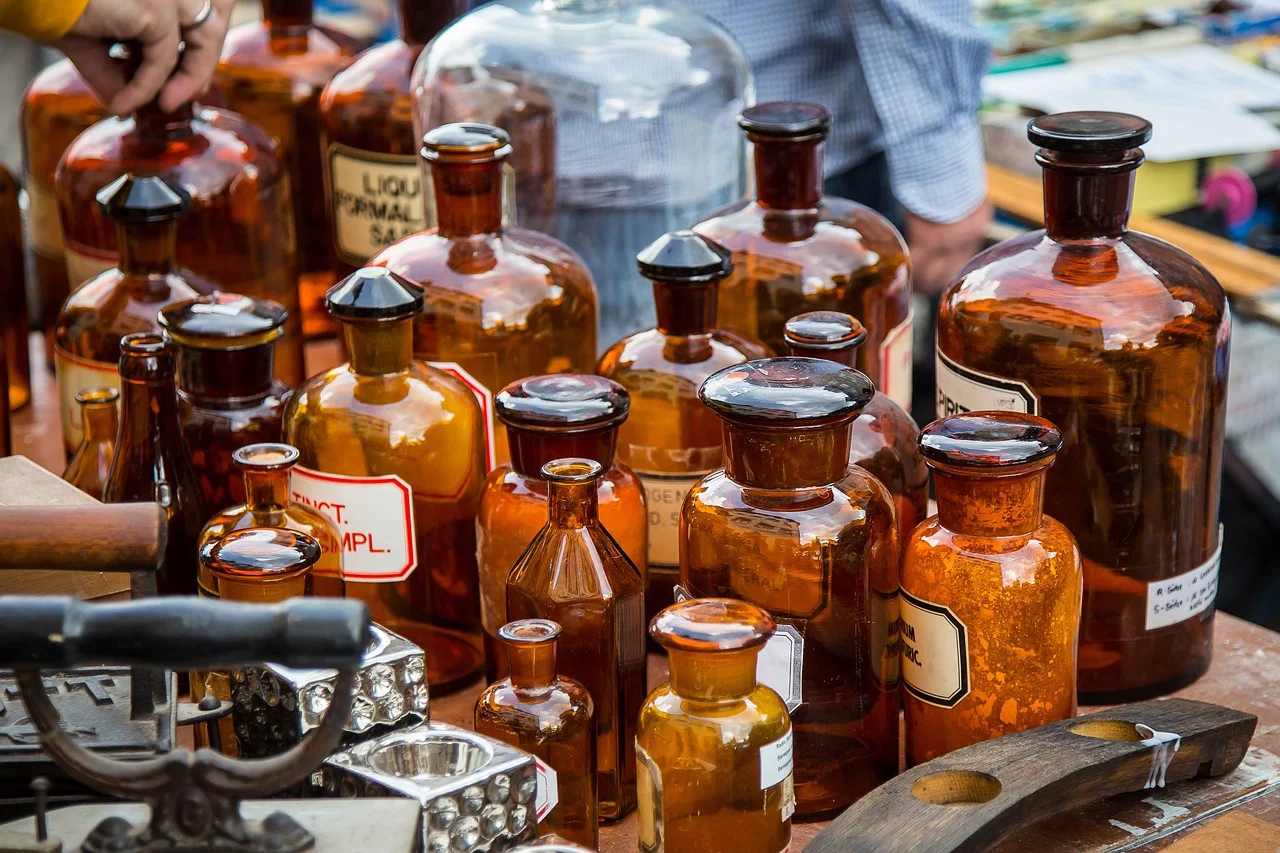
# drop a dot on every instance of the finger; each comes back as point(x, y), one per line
point(199, 59)
point(159, 56)
point(93, 60)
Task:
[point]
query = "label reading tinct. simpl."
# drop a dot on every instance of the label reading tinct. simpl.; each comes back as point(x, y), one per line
point(374, 516)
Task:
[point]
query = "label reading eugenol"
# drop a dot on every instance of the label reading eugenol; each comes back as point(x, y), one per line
point(377, 199)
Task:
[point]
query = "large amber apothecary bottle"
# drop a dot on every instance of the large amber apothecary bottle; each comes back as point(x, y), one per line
point(991, 589)
point(546, 418)
point(393, 452)
point(714, 747)
point(100, 421)
point(790, 526)
point(574, 573)
point(1122, 341)
point(671, 439)
point(796, 250)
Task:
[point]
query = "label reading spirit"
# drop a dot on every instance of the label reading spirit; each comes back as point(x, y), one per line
point(83, 263)
point(895, 361)
point(374, 516)
point(376, 200)
point(74, 375)
point(935, 652)
point(963, 390)
point(664, 494)
point(548, 796)
point(1177, 599)
point(483, 396)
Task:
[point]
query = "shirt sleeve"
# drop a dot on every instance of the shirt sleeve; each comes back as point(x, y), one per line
point(923, 62)
point(41, 20)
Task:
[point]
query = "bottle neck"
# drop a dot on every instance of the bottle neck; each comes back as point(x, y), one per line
point(790, 458)
point(284, 15)
point(788, 173)
point(685, 310)
point(573, 505)
point(379, 348)
point(153, 121)
point(468, 197)
point(713, 676)
point(148, 411)
point(266, 490)
point(533, 667)
point(101, 422)
point(147, 248)
point(420, 20)
point(844, 355)
point(1087, 199)
point(238, 377)
point(1009, 505)
point(531, 449)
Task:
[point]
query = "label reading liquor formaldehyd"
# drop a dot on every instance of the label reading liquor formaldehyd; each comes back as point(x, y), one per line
point(960, 389)
point(374, 516)
point(935, 651)
point(895, 361)
point(376, 200)
point(1177, 599)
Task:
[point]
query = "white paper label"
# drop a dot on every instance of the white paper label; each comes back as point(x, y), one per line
point(960, 389)
point(664, 495)
point(374, 516)
point(44, 228)
point(548, 796)
point(935, 652)
point(483, 396)
point(1177, 599)
point(788, 802)
point(376, 199)
point(84, 263)
point(775, 761)
point(74, 375)
point(895, 361)
point(781, 665)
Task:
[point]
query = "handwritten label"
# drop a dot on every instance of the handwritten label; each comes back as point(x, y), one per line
point(376, 199)
point(935, 651)
point(960, 389)
point(548, 796)
point(664, 495)
point(776, 761)
point(74, 375)
point(1178, 598)
point(374, 516)
point(895, 361)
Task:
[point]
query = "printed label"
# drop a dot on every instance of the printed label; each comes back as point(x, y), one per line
point(960, 389)
point(788, 802)
point(935, 652)
point(1177, 599)
point(374, 516)
point(44, 228)
point(781, 665)
point(895, 361)
point(886, 639)
point(483, 395)
point(664, 494)
point(74, 375)
point(84, 263)
point(548, 796)
point(376, 199)
point(775, 761)
point(508, 196)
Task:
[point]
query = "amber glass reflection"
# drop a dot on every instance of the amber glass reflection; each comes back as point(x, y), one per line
point(392, 450)
point(227, 397)
point(671, 439)
point(13, 292)
point(549, 716)
point(503, 303)
point(999, 567)
point(550, 417)
point(796, 250)
point(100, 417)
point(884, 439)
point(1122, 340)
point(789, 525)
point(575, 573)
point(151, 461)
point(714, 749)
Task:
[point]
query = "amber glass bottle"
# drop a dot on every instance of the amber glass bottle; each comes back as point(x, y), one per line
point(551, 717)
point(393, 451)
point(268, 503)
point(373, 186)
point(550, 417)
point(240, 234)
point(227, 397)
point(884, 440)
point(151, 461)
point(57, 106)
point(100, 420)
point(789, 525)
point(991, 589)
point(576, 574)
point(124, 299)
point(272, 72)
point(13, 292)
point(671, 439)
point(714, 749)
point(503, 303)
point(796, 250)
point(1122, 340)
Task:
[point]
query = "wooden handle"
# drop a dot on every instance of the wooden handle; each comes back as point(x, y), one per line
point(95, 538)
point(974, 798)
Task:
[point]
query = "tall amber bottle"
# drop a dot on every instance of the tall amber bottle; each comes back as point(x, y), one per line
point(789, 525)
point(796, 250)
point(392, 450)
point(124, 299)
point(671, 439)
point(151, 461)
point(503, 303)
point(227, 397)
point(13, 291)
point(714, 750)
point(884, 440)
point(550, 417)
point(991, 589)
point(575, 573)
point(550, 716)
point(373, 187)
point(1122, 341)
point(100, 419)
point(272, 72)
point(240, 233)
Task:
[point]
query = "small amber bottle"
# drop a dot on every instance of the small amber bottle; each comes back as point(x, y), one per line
point(227, 397)
point(550, 417)
point(884, 440)
point(671, 439)
point(576, 574)
point(789, 525)
point(151, 461)
point(125, 299)
point(551, 717)
point(714, 748)
point(268, 503)
point(13, 290)
point(100, 415)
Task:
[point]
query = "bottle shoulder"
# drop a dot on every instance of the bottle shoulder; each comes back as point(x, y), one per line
point(934, 548)
point(422, 388)
point(758, 719)
point(646, 358)
point(381, 70)
point(851, 501)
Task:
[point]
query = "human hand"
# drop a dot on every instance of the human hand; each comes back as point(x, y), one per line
point(940, 249)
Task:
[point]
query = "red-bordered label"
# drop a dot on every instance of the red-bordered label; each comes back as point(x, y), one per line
point(374, 516)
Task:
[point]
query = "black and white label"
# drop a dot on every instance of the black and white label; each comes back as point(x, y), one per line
point(935, 651)
point(781, 665)
point(960, 389)
point(776, 761)
point(1177, 599)
point(376, 200)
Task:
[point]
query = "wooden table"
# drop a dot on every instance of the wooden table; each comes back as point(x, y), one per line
point(1245, 674)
